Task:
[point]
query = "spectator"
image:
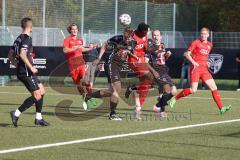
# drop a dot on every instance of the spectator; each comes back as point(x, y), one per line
point(185, 72)
point(238, 62)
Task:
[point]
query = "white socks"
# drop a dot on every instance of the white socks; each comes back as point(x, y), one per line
point(17, 113)
point(38, 116)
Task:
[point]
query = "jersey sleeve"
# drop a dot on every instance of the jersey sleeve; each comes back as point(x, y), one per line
point(192, 46)
point(25, 43)
point(66, 43)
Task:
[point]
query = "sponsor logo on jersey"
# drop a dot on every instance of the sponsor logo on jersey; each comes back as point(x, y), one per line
point(204, 51)
point(139, 46)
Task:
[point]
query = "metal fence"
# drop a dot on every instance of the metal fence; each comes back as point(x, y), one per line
point(98, 20)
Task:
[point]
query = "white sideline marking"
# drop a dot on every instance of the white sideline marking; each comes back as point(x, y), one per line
point(62, 94)
point(114, 136)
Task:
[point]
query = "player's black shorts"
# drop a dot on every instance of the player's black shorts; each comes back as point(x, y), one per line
point(112, 71)
point(31, 82)
point(163, 72)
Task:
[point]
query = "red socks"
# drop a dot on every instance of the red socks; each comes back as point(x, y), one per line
point(143, 89)
point(217, 99)
point(184, 93)
point(215, 96)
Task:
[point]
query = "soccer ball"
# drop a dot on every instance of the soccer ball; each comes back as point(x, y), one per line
point(125, 19)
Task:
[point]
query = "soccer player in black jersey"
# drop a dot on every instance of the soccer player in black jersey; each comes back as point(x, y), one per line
point(119, 49)
point(157, 59)
point(20, 55)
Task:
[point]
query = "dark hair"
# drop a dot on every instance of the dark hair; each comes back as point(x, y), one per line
point(143, 27)
point(24, 22)
point(69, 28)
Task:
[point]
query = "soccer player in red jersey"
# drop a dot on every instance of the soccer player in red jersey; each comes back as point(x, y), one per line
point(73, 49)
point(144, 71)
point(197, 54)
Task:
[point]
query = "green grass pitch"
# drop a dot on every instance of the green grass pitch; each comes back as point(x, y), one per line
point(69, 122)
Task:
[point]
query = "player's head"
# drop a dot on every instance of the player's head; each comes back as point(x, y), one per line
point(142, 29)
point(73, 29)
point(127, 33)
point(156, 35)
point(26, 24)
point(204, 32)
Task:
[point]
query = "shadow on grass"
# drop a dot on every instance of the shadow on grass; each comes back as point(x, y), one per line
point(5, 125)
point(234, 135)
point(134, 154)
point(10, 104)
point(189, 144)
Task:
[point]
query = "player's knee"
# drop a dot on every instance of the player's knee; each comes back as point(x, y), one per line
point(43, 91)
point(168, 91)
point(213, 88)
point(115, 94)
point(193, 90)
point(37, 96)
point(174, 91)
point(167, 88)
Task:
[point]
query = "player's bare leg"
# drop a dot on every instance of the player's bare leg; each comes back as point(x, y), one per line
point(37, 98)
point(39, 104)
point(141, 93)
point(168, 93)
point(138, 107)
point(88, 89)
point(184, 93)
point(97, 94)
point(213, 87)
point(114, 99)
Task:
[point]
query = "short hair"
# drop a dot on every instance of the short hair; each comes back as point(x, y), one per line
point(24, 22)
point(69, 28)
point(143, 27)
point(205, 29)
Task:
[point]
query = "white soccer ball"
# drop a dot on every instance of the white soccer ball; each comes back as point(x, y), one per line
point(125, 19)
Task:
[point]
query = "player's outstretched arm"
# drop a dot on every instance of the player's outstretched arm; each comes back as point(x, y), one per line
point(168, 54)
point(12, 58)
point(188, 56)
point(24, 58)
point(102, 51)
point(85, 50)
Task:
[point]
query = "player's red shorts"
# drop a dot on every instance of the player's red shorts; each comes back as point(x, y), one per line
point(78, 73)
point(139, 68)
point(197, 73)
